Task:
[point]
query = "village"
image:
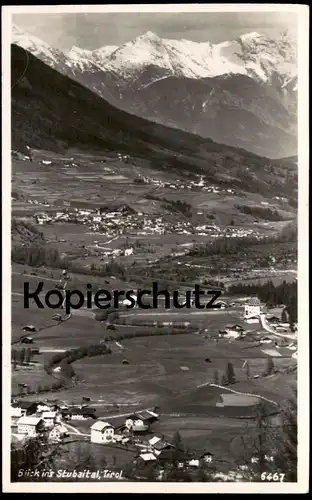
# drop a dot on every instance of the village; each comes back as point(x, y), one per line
point(121, 394)
point(55, 421)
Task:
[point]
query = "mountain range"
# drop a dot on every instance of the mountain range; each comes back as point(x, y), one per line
point(242, 93)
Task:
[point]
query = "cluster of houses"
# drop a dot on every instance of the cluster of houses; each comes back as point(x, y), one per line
point(30, 419)
point(118, 222)
point(122, 429)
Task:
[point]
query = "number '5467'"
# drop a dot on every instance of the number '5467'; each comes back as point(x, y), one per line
point(275, 477)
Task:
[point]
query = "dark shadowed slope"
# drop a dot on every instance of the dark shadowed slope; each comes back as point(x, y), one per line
point(51, 111)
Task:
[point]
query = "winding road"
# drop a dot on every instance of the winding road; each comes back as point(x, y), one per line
point(267, 327)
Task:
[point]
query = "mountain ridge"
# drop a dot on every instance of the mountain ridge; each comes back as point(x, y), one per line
point(51, 111)
point(121, 76)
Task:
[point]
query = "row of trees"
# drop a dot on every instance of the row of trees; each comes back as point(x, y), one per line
point(260, 212)
point(229, 376)
point(21, 356)
point(64, 359)
point(38, 255)
point(54, 385)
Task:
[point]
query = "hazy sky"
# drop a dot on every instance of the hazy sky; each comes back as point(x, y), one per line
point(91, 31)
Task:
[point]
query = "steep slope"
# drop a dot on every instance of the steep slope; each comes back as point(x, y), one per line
point(51, 111)
point(232, 109)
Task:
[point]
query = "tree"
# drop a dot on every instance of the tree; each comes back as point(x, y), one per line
point(247, 371)
point(230, 374)
point(224, 380)
point(287, 441)
point(216, 377)
point(22, 355)
point(14, 358)
point(274, 443)
point(27, 356)
point(177, 441)
point(36, 454)
point(284, 318)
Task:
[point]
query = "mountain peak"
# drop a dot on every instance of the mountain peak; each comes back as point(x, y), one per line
point(78, 51)
point(148, 36)
point(250, 36)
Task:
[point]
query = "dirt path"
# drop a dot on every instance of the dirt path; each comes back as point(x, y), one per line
point(35, 277)
point(267, 327)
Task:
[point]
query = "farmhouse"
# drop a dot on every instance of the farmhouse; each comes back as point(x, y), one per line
point(221, 303)
point(31, 426)
point(236, 328)
point(252, 307)
point(141, 421)
point(169, 455)
point(58, 432)
point(234, 331)
point(29, 328)
point(161, 445)
point(102, 432)
point(145, 458)
point(273, 320)
point(78, 413)
point(206, 457)
point(49, 418)
point(280, 328)
point(252, 319)
point(27, 340)
point(154, 440)
point(222, 333)
point(23, 408)
point(47, 406)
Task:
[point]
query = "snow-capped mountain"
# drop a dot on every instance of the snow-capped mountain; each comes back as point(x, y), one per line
point(240, 92)
point(89, 60)
point(252, 54)
point(53, 57)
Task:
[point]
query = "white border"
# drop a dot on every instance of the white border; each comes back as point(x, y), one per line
point(302, 486)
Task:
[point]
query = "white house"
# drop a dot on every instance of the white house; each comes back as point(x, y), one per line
point(252, 308)
point(147, 457)
point(31, 426)
point(102, 432)
point(49, 418)
point(154, 440)
point(141, 421)
point(127, 302)
point(58, 432)
point(23, 408)
point(17, 412)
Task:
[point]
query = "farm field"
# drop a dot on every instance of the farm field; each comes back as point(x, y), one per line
point(160, 368)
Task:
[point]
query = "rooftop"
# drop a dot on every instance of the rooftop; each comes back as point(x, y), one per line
point(100, 426)
point(25, 405)
point(254, 301)
point(29, 421)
